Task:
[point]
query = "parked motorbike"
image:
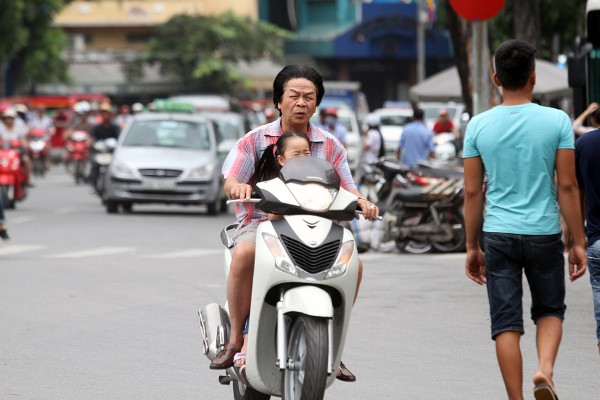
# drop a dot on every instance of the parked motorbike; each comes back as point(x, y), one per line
point(305, 275)
point(12, 174)
point(38, 150)
point(420, 213)
point(78, 151)
point(101, 159)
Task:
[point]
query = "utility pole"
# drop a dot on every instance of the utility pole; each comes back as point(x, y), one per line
point(480, 57)
point(420, 41)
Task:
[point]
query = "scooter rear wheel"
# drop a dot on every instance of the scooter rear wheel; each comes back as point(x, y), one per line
point(243, 392)
point(305, 377)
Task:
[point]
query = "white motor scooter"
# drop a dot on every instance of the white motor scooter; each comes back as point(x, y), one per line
point(305, 275)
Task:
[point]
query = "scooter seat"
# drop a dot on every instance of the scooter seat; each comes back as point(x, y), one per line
point(411, 195)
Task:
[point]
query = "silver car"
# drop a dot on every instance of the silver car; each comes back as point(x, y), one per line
point(166, 158)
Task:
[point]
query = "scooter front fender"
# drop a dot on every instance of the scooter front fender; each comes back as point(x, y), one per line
point(308, 300)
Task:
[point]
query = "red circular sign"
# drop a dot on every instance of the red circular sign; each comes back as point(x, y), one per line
point(477, 10)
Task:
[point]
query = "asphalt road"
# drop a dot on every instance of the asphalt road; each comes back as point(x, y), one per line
point(98, 306)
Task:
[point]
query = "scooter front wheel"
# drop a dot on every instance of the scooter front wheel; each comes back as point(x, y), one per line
point(305, 376)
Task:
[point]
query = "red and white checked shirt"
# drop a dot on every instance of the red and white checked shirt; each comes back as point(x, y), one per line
point(243, 157)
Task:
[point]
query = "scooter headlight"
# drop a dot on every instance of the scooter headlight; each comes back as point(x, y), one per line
point(312, 196)
point(341, 263)
point(282, 259)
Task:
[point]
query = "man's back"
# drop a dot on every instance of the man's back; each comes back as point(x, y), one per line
point(416, 143)
point(518, 145)
point(587, 149)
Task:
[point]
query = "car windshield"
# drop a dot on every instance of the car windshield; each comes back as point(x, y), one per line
point(229, 127)
point(178, 134)
point(393, 120)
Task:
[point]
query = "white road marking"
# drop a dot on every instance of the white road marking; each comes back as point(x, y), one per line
point(185, 253)
point(20, 220)
point(94, 252)
point(65, 210)
point(19, 248)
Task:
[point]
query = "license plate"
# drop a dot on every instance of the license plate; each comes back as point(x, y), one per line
point(103, 158)
point(161, 184)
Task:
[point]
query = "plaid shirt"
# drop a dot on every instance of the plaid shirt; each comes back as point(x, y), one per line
point(241, 161)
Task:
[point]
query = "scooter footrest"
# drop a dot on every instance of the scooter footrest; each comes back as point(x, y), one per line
point(224, 380)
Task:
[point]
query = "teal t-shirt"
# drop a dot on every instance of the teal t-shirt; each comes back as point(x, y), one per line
point(518, 146)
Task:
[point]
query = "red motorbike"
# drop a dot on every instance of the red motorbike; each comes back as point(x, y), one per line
point(38, 150)
point(12, 174)
point(78, 152)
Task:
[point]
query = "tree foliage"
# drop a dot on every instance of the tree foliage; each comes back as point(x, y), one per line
point(202, 51)
point(551, 25)
point(30, 47)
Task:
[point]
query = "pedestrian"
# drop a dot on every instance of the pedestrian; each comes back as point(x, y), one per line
point(443, 124)
point(3, 232)
point(587, 149)
point(330, 123)
point(591, 111)
point(416, 142)
point(297, 91)
point(521, 146)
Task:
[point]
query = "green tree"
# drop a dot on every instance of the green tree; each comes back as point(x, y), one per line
point(30, 48)
point(551, 25)
point(202, 51)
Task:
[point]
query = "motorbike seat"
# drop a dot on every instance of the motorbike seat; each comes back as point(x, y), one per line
point(392, 167)
point(411, 195)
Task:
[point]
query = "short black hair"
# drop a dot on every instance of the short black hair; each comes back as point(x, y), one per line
point(418, 114)
point(514, 61)
point(293, 71)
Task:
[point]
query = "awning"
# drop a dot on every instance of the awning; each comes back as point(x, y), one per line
point(551, 83)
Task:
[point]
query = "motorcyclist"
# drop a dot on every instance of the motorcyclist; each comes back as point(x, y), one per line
point(297, 91)
point(10, 129)
point(104, 130)
point(3, 232)
point(331, 124)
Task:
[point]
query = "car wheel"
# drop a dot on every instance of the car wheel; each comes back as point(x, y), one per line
point(212, 208)
point(112, 207)
point(127, 207)
point(224, 206)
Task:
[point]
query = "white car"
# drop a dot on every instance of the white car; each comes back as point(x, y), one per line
point(392, 125)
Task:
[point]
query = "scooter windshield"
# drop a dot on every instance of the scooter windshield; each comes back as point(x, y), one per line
point(310, 169)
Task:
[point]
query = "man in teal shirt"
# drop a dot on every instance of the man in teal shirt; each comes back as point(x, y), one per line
point(522, 146)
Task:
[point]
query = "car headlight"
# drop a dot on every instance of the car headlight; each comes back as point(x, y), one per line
point(341, 263)
point(282, 259)
point(203, 172)
point(312, 196)
point(121, 170)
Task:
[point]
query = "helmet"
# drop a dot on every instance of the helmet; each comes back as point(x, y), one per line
point(9, 113)
point(82, 107)
point(105, 107)
point(331, 111)
point(21, 108)
point(373, 120)
point(137, 107)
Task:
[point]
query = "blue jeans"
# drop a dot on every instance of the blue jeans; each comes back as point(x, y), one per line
point(593, 253)
point(1, 211)
point(507, 256)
